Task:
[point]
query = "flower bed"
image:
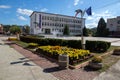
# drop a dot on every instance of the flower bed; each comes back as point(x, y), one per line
point(75, 55)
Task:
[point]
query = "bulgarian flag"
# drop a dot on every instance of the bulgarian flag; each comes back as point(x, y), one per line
point(77, 12)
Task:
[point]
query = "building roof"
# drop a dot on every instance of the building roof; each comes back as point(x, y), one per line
point(53, 14)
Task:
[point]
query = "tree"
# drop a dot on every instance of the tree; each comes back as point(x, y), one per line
point(15, 29)
point(102, 31)
point(66, 30)
point(85, 31)
point(6, 28)
point(93, 31)
point(26, 29)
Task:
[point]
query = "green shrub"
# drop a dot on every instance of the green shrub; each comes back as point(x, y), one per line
point(93, 46)
point(74, 44)
point(53, 42)
point(97, 46)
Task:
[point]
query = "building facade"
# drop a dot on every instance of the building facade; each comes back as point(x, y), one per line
point(48, 23)
point(113, 24)
point(1, 29)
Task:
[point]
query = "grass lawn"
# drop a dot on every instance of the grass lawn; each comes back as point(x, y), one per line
point(108, 59)
point(22, 44)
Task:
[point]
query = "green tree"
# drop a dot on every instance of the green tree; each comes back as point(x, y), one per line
point(6, 28)
point(26, 29)
point(66, 30)
point(15, 29)
point(102, 31)
point(85, 31)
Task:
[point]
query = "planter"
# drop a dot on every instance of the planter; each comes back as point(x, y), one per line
point(63, 61)
point(95, 65)
point(116, 52)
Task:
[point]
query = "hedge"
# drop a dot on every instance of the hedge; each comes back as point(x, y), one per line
point(97, 46)
point(53, 42)
point(93, 46)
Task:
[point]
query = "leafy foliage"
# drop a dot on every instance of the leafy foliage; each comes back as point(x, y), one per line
point(66, 30)
point(53, 42)
point(97, 46)
point(102, 31)
point(26, 29)
point(85, 31)
point(15, 29)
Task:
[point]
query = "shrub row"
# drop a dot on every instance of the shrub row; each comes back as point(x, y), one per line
point(97, 46)
point(53, 42)
point(93, 46)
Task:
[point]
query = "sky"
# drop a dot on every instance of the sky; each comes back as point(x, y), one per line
point(18, 11)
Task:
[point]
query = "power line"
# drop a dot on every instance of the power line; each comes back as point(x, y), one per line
point(109, 4)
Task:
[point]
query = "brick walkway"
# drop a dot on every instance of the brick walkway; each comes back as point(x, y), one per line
point(50, 66)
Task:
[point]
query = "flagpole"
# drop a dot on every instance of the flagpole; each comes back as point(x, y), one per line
point(89, 13)
point(82, 26)
point(82, 37)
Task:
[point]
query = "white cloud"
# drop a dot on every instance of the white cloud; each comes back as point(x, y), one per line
point(92, 21)
point(44, 10)
point(24, 11)
point(5, 6)
point(22, 18)
point(76, 2)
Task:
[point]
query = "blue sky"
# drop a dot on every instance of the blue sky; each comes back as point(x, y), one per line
point(18, 11)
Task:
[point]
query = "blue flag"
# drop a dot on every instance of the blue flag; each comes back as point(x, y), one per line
point(40, 21)
point(89, 11)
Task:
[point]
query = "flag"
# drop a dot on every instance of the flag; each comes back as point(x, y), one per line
point(77, 12)
point(89, 11)
point(40, 21)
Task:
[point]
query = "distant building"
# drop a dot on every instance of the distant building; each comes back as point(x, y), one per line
point(1, 29)
point(48, 23)
point(113, 24)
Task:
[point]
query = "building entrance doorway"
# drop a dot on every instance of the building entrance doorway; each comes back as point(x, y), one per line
point(47, 31)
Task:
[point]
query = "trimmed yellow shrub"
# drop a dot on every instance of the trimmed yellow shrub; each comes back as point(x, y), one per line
point(97, 59)
point(12, 39)
point(32, 45)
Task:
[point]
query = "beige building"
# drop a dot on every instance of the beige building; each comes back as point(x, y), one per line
point(48, 23)
point(113, 24)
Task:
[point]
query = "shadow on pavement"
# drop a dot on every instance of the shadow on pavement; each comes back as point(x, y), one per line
point(23, 58)
point(28, 64)
point(25, 62)
point(53, 69)
point(88, 69)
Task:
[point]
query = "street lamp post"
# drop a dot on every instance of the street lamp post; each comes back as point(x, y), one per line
point(82, 26)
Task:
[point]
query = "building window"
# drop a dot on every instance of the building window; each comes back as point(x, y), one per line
point(111, 25)
point(118, 21)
